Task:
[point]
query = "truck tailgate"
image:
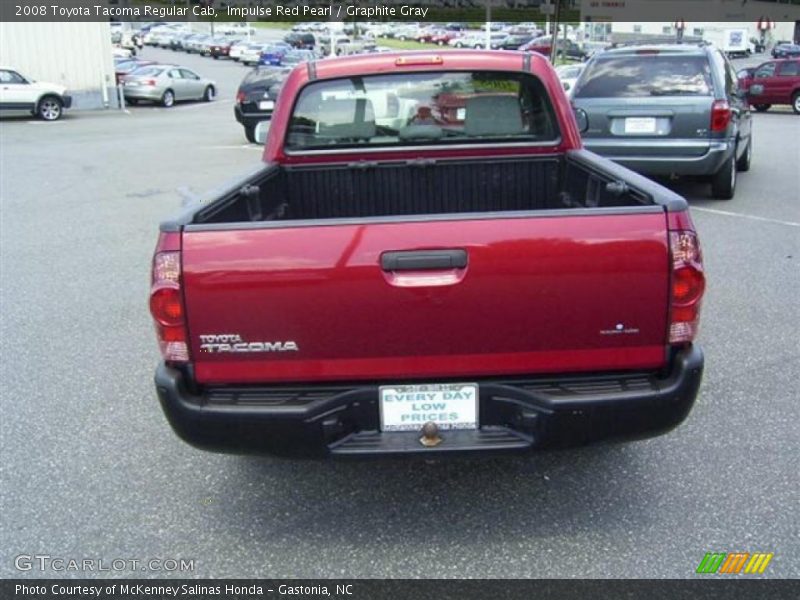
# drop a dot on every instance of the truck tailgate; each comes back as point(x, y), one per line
point(489, 296)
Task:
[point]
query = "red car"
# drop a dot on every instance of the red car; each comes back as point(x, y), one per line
point(442, 38)
point(389, 282)
point(774, 82)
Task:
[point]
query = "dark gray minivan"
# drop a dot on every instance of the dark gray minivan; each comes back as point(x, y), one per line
point(667, 110)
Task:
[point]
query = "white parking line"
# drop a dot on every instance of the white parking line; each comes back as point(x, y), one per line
point(744, 216)
point(249, 146)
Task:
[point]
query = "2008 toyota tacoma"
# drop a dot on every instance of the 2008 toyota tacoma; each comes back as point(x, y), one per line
point(427, 262)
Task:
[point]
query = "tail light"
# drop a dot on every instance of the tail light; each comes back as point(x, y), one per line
point(720, 115)
point(240, 97)
point(688, 285)
point(150, 82)
point(166, 305)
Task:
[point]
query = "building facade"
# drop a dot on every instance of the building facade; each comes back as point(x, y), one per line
point(75, 54)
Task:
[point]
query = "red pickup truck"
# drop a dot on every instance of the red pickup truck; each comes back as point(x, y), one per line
point(396, 281)
point(774, 82)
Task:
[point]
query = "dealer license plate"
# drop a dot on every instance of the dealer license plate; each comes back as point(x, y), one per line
point(409, 407)
point(266, 105)
point(640, 125)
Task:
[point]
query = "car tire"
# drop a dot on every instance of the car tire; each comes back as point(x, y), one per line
point(440, 43)
point(50, 108)
point(743, 164)
point(250, 133)
point(796, 103)
point(209, 94)
point(168, 99)
point(131, 101)
point(762, 107)
point(215, 57)
point(459, 45)
point(723, 182)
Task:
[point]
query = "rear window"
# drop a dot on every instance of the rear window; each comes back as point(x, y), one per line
point(149, 72)
point(415, 109)
point(645, 75)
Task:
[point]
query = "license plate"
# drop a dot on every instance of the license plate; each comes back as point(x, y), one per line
point(640, 125)
point(409, 407)
point(266, 105)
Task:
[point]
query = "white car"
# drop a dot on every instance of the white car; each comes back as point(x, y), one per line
point(241, 29)
point(235, 53)
point(42, 99)
point(568, 75)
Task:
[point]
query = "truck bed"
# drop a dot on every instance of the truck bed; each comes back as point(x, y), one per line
point(393, 189)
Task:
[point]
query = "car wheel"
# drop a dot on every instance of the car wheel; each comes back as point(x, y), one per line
point(440, 43)
point(477, 46)
point(250, 134)
point(796, 103)
point(723, 183)
point(168, 99)
point(215, 57)
point(49, 108)
point(459, 45)
point(743, 164)
point(209, 94)
point(762, 107)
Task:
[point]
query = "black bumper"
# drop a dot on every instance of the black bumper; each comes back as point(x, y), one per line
point(516, 415)
point(250, 119)
point(66, 101)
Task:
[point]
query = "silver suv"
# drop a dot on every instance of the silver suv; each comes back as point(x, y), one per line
point(667, 110)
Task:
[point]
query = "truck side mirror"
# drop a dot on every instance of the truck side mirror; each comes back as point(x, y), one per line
point(582, 118)
point(262, 128)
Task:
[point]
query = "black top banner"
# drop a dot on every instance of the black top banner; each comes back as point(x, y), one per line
point(399, 589)
point(422, 11)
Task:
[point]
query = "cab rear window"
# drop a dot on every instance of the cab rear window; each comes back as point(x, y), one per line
point(415, 109)
point(645, 75)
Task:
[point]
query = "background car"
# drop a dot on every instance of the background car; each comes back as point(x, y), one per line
point(294, 57)
point(124, 67)
point(167, 84)
point(272, 54)
point(42, 99)
point(672, 109)
point(251, 55)
point(786, 50)
point(568, 75)
point(564, 48)
point(257, 96)
point(221, 47)
point(774, 82)
point(305, 41)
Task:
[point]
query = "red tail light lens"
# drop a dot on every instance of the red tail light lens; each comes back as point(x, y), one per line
point(150, 82)
point(720, 115)
point(240, 97)
point(688, 285)
point(166, 306)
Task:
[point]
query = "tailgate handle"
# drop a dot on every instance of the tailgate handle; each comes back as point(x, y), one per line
point(423, 260)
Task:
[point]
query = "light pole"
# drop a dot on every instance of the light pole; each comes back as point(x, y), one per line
point(680, 26)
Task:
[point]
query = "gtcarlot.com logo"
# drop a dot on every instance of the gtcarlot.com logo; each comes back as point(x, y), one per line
point(45, 562)
point(733, 563)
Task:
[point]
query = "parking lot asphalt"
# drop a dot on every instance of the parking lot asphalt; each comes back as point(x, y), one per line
point(90, 468)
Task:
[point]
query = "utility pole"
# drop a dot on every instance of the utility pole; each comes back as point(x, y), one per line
point(554, 39)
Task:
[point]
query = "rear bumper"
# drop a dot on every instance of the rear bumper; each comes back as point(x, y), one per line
point(66, 101)
point(516, 415)
point(664, 158)
point(250, 119)
point(143, 93)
